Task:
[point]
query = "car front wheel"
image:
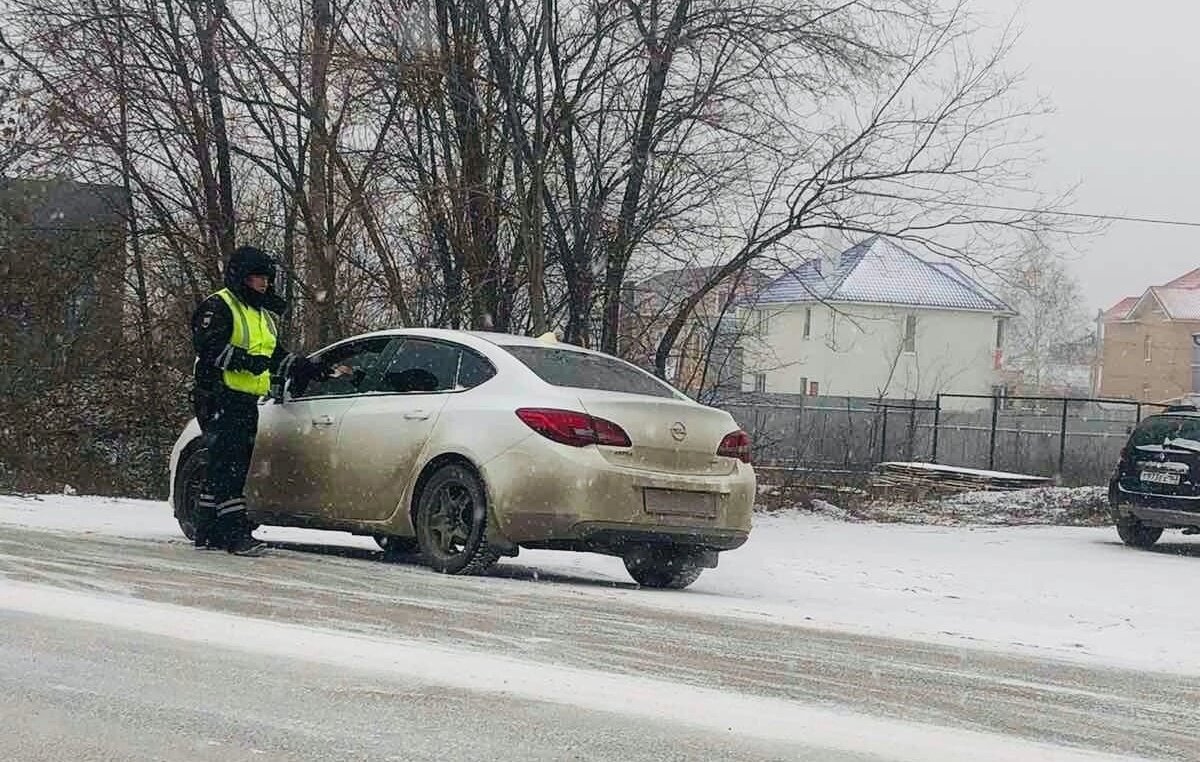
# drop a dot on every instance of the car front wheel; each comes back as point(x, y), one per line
point(667, 568)
point(451, 522)
point(1136, 534)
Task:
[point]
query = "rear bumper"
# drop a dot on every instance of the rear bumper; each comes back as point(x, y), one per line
point(1155, 510)
point(609, 535)
point(545, 494)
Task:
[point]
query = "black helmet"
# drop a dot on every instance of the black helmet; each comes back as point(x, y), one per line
point(246, 261)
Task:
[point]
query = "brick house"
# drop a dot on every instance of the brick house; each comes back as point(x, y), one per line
point(1146, 342)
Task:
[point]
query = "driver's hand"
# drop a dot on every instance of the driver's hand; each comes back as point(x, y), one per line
point(338, 371)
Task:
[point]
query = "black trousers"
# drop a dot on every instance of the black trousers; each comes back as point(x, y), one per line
point(230, 432)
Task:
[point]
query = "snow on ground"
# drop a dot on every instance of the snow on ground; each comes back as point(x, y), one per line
point(1061, 506)
point(1062, 592)
point(1058, 506)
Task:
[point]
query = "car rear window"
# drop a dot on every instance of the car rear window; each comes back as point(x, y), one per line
point(564, 367)
point(1156, 429)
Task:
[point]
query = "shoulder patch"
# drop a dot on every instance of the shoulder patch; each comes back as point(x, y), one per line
point(206, 319)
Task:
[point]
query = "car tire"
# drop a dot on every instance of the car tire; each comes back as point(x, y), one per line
point(664, 568)
point(394, 547)
point(1136, 534)
point(451, 522)
point(189, 483)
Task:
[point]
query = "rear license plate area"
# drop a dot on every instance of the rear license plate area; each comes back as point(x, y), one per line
point(1159, 477)
point(670, 502)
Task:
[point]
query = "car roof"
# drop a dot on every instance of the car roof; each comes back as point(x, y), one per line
point(492, 337)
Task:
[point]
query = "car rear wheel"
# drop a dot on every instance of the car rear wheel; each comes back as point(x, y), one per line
point(668, 568)
point(451, 522)
point(189, 483)
point(1136, 534)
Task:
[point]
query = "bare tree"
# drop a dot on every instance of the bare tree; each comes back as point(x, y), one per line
point(930, 129)
point(1046, 298)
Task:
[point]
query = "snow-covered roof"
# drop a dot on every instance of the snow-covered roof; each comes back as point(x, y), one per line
point(1179, 303)
point(1179, 299)
point(1121, 309)
point(880, 271)
point(1187, 280)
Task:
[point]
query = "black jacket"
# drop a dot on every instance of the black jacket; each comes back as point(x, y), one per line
point(212, 330)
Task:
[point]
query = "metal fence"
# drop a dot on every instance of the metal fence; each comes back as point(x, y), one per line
point(1075, 441)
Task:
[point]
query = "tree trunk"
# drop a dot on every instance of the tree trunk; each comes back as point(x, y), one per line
point(619, 250)
point(207, 31)
point(320, 319)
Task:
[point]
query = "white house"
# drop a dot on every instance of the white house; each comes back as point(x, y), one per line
point(875, 321)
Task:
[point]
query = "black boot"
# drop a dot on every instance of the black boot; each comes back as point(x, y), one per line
point(235, 530)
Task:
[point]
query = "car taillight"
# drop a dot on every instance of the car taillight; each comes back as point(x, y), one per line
point(571, 428)
point(736, 445)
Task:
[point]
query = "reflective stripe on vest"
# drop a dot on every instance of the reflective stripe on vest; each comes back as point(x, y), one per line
point(253, 331)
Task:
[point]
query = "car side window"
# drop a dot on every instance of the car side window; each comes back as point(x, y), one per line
point(362, 357)
point(421, 365)
point(473, 370)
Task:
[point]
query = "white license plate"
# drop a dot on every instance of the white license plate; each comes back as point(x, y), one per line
point(667, 502)
point(1160, 477)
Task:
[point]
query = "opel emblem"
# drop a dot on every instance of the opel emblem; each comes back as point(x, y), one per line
point(678, 431)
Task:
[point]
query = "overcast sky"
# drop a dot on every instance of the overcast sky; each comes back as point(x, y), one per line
point(1124, 80)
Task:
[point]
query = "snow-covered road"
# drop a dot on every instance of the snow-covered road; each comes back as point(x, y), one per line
point(1012, 643)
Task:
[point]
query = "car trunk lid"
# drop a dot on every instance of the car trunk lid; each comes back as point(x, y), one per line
point(666, 435)
point(1166, 469)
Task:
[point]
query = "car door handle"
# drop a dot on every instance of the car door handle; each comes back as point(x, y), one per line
point(322, 420)
point(417, 415)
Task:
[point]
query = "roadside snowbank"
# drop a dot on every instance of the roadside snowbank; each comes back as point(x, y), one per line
point(1054, 506)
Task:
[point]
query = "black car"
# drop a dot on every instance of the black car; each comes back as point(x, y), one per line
point(1157, 483)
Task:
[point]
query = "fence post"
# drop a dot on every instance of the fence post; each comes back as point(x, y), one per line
point(937, 419)
point(1062, 440)
point(912, 429)
point(883, 435)
point(992, 442)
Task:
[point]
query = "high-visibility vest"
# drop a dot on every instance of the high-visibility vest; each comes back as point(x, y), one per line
point(253, 331)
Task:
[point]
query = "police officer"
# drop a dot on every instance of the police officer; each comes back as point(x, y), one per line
point(234, 335)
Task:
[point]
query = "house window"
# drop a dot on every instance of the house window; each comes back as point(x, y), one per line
point(760, 323)
point(910, 333)
point(760, 382)
point(814, 389)
point(807, 322)
point(1000, 334)
point(1146, 348)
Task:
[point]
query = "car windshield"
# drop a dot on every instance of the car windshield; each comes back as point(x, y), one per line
point(1159, 428)
point(582, 370)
